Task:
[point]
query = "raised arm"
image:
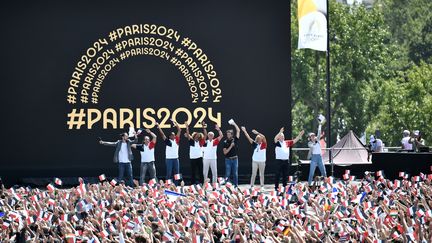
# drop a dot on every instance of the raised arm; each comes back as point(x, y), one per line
point(258, 133)
point(237, 130)
point(220, 132)
point(178, 128)
point(112, 144)
point(299, 136)
point(204, 125)
point(187, 134)
point(160, 131)
point(247, 135)
point(278, 134)
point(154, 137)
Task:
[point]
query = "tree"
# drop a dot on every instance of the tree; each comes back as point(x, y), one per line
point(406, 104)
point(360, 55)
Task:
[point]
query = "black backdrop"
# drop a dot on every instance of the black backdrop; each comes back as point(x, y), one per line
point(248, 43)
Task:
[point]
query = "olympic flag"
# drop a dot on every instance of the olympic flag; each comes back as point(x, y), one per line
point(312, 17)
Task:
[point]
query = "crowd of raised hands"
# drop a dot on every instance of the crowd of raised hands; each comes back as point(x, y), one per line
point(371, 209)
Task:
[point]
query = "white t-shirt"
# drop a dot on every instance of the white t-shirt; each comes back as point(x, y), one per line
point(147, 152)
point(123, 155)
point(259, 154)
point(172, 147)
point(406, 144)
point(282, 149)
point(316, 148)
point(210, 149)
point(196, 149)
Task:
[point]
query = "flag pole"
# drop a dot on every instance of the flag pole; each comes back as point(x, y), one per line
point(328, 90)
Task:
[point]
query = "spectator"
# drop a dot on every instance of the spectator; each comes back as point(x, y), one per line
point(376, 144)
point(405, 141)
point(416, 141)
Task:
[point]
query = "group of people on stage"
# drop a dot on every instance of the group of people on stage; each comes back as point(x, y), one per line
point(203, 154)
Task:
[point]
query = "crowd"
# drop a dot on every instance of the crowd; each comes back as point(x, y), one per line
point(372, 209)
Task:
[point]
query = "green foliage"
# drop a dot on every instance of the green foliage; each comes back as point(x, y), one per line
point(360, 54)
point(381, 70)
point(406, 104)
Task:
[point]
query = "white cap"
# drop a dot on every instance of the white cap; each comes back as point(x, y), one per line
point(406, 132)
point(416, 132)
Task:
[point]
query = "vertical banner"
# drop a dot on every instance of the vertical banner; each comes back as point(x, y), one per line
point(312, 17)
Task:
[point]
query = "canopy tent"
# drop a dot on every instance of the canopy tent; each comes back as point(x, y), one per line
point(349, 150)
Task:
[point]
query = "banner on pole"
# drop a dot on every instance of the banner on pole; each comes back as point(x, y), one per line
point(312, 17)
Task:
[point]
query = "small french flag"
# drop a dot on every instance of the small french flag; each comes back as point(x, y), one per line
point(152, 182)
point(411, 211)
point(58, 181)
point(50, 187)
point(6, 224)
point(290, 178)
point(177, 176)
point(113, 182)
point(102, 177)
point(64, 217)
point(280, 228)
point(258, 229)
point(104, 234)
point(188, 223)
point(51, 202)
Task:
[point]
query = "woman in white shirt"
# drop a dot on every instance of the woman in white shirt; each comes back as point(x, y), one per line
point(259, 155)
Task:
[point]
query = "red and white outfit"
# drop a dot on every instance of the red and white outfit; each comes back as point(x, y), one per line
point(210, 158)
point(172, 148)
point(258, 162)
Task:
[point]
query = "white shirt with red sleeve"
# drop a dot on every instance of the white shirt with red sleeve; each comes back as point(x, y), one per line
point(196, 148)
point(259, 154)
point(172, 147)
point(210, 149)
point(282, 149)
point(147, 152)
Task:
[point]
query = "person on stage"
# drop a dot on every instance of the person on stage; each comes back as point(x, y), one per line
point(147, 156)
point(123, 156)
point(210, 152)
point(171, 151)
point(230, 149)
point(282, 150)
point(316, 157)
point(196, 142)
point(259, 155)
